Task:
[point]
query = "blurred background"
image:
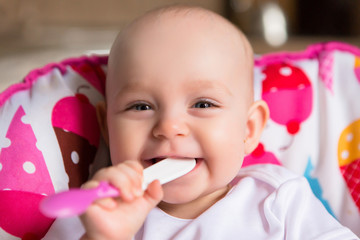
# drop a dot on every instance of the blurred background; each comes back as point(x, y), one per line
point(36, 32)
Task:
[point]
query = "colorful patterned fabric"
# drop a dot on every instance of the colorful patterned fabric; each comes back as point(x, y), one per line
point(49, 134)
point(48, 139)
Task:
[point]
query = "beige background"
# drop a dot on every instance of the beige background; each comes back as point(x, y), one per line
point(36, 32)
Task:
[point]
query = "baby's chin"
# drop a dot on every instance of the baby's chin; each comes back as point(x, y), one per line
point(178, 195)
point(190, 205)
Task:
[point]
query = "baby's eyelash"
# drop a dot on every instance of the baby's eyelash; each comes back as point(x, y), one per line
point(205, 103)
point(140, 106)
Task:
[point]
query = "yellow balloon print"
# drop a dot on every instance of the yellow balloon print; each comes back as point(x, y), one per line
point(357, 62)
point(349, 144)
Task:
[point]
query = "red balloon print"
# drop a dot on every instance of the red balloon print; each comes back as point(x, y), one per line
point(289, 94)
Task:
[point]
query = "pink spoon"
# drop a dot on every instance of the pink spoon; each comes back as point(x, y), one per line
point(75, 201)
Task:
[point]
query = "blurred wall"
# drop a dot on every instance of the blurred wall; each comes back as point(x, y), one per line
point(32, 20)
point(32, 16)
point(36, 32)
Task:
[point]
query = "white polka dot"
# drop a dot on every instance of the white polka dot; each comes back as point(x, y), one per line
point(285, 71)
point(349, 137)
point(5, 143)
point(273, 89)
point(345, 154)
point(29, 167)
point(6, 189)
point(44, 194)
point(0, 166)
point(263, 76)
point(25, 119)
point(301, 86)
point(75, 157)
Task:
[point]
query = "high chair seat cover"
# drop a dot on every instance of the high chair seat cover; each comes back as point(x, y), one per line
point(49, 134)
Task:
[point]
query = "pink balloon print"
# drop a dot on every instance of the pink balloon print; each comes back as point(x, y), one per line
point(260, 156)
point(20, 215)
point(288, 92)
point(326, 62)
point(93, 73)
point(77, 131)
point(77, 115)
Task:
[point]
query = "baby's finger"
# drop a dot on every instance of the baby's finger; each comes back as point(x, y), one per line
point(127, 177)
point(130, 185)
point(134, 171)
point(133, 165)
point(108, 203)
point(90, 184)
point(154, 193)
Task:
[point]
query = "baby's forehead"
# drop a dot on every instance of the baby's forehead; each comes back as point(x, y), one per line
point(162, 28)
point(182, 23)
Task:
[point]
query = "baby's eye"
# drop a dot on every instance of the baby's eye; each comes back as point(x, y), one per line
point(203, 104)
point(140, 107)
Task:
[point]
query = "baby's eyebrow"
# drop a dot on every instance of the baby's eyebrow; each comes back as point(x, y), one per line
point(192, 85)
point(208, 84)
point(131, 86)
point(116, 93)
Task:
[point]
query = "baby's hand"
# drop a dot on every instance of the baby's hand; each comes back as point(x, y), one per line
point(120, 218)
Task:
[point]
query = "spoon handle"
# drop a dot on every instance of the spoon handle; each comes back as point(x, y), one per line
point(76, 201)
point(106, 190)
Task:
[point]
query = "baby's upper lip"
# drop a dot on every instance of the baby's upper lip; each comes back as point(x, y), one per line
point(150, 161)
point(162, 157)
point(168, 156)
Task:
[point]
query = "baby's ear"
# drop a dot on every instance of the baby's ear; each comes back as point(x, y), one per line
point(101, 117)
point(258, 115)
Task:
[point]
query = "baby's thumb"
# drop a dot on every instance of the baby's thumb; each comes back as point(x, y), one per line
point(153, 194)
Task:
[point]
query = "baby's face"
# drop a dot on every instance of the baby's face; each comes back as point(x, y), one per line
point(180, 92)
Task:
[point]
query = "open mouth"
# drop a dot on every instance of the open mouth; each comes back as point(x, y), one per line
point(155, 160)
point(158, 159)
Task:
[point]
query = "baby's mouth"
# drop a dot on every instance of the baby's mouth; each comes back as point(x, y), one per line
point(155, 160)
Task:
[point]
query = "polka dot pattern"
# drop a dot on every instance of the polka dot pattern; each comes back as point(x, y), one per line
point(285, 71)
point(21, 157)
point(75, 157)
point(349, 144)
point(5, 143)
point(29, 167)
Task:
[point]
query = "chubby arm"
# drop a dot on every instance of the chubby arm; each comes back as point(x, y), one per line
point(120, 218)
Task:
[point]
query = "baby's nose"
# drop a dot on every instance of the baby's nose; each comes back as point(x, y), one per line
point(168, 128)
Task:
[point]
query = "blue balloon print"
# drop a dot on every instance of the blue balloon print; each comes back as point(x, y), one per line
point(315, 186)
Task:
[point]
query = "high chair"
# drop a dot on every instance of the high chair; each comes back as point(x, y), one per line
point(50, 139)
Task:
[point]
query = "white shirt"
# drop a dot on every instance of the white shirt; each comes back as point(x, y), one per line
point(266, 202)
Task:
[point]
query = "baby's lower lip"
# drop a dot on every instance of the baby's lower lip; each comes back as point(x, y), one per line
point(198, 163)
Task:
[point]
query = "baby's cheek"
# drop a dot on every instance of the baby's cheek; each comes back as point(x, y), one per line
point(125, 142)
point(226, 139)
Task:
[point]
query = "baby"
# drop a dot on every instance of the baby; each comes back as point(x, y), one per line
point(180, 85)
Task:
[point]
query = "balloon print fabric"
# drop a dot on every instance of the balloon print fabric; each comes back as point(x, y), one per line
point(50, 139)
